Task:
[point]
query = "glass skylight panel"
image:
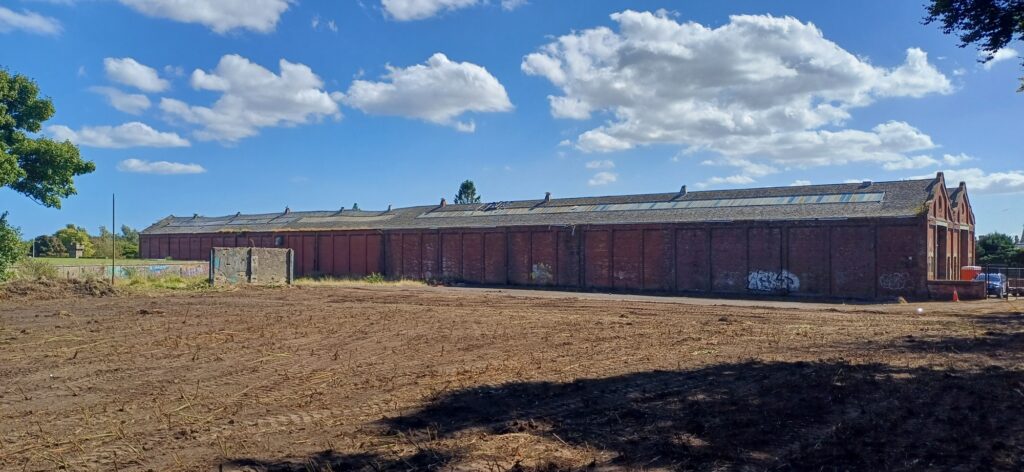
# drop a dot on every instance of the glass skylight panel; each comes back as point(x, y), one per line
point(873, 197)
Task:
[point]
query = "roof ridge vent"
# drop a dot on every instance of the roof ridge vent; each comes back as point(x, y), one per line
point(287, 210)
point(865, 184)
point(547, 197)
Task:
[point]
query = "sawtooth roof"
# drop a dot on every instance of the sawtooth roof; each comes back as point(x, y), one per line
point(905, 198)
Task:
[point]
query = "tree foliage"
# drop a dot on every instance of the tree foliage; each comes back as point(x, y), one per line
point(467, 193)
point(39, 168)
point(991, 24)
point(998, 249)
point(10, 247)
point(75, 234)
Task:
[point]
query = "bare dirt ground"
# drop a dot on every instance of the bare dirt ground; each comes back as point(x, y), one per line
point(343, 378)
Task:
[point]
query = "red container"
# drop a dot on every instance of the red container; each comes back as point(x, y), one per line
point(969, 272)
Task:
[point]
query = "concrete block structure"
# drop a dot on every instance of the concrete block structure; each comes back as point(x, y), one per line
point(869, 240)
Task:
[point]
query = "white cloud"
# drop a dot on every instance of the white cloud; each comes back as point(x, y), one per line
point(730, 180)
point(408, 10)
point(438, 92)
point(799, 183)
point(916, 162)
point(29, 22)
point(601, 164)
point(129, 72)
point(132, 134)
point(331, 25)
point(756, 87)
point(956, 159)
point(981, 182)
point(175, 71)
point(602, 178)
point(138, 166)
point(131, 103)
point(959, 71)
point(253, 98)
point(509, 5)
point(1001, 55)
point(219, 15)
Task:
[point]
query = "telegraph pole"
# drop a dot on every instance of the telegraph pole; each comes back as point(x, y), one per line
point(113, 236)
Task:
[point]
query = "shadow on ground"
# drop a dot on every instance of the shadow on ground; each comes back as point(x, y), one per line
point(747, 416)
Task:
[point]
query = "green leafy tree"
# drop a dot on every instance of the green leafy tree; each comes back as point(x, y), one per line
point(467, 193)
point(76, 234)
point(49, 246)
point(995, 248)
point(11, 249)
point(40, 168)
point(991, 24)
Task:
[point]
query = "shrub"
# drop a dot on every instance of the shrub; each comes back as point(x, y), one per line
point(374, 278)
point(10, 247)
point(35, 269)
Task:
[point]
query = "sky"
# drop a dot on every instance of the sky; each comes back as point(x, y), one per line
point(223, 106)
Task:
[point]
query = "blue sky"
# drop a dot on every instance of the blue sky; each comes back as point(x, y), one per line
point(381, 102)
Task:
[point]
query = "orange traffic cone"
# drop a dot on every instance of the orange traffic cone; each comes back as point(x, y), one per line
point(956, 296)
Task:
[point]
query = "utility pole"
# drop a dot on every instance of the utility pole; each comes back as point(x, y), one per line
point(113, 237)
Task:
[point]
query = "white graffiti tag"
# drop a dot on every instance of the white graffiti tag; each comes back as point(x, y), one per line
point(767, 281)
point(894, 280)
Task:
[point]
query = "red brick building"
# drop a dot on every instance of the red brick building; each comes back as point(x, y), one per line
point(865, 240)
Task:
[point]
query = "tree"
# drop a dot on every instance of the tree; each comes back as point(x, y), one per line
point(49, 246)
point(995, 248)
point(991, 24)
point(467, 193)
point(75, 234)
point(11, 249)
point(39, 168)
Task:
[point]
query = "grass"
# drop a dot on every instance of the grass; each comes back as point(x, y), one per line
point(67, 261)
point(372, 279)
point(170, 282)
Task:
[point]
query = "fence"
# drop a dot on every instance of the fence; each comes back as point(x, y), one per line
point(251, 265)
point(1000, 275)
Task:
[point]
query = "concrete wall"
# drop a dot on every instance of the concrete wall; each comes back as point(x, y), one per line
point(857, 259)
point(250, 265)
point(183, 269)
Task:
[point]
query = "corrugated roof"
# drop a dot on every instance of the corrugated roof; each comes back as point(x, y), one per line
point(905, 198)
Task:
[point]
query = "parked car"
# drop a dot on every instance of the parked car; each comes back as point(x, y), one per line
point(995, 284)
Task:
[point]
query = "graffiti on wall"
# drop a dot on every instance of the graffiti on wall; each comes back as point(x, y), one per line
point(894, 280)
point(768, 281)
point(541, 273)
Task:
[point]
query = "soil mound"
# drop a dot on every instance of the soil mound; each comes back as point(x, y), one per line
point(46, 289)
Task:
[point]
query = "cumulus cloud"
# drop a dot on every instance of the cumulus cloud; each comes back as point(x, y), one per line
point(138, 166)
point(408, 10)
point(253, 97)
point(133, 134)
point(798, 183)
point(130, 72)
point(220, 16)
point(438, 91)
point(131, 103)
point(730, 180)
point(29, 22)
point(601, 164)
point(1001, 55)
point(756, 87)
point(915, 162)
point(602, 178)
point(509, 5)
point(956, 159)
point(981, 182)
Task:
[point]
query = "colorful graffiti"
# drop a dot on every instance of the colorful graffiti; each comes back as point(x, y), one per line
point(190, 269)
